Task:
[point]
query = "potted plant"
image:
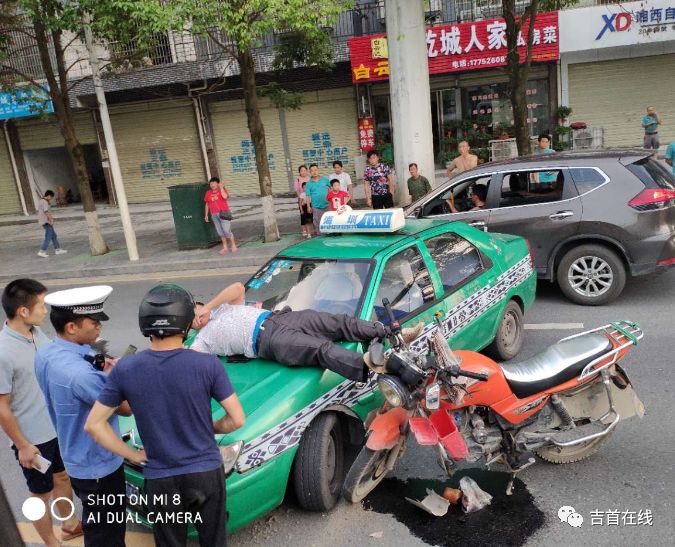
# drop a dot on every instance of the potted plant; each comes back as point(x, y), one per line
point(563, 113)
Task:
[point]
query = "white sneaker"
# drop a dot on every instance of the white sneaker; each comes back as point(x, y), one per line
point(60, 251)
point(43, 254)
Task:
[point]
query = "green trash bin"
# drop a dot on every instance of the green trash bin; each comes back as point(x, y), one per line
point(187, 205)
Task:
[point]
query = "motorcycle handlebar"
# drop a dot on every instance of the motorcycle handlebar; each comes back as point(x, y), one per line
point(393, 323)
point(475, 375)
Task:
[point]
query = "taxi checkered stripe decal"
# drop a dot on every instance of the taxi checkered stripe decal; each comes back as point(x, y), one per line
point(288, 433)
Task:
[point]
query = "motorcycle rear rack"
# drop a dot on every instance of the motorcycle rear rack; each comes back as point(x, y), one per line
point(624, 333)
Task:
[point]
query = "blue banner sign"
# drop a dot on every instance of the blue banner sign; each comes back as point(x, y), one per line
point(23, 103)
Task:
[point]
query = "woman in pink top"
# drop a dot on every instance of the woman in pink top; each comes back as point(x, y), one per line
point(216, 201)
point(300, 180)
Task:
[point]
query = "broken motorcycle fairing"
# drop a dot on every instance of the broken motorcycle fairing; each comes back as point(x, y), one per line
point(562, 404)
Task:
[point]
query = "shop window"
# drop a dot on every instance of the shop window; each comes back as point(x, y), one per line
point(456, 259)
point(405, 283)
point(531, 187)
point(383, 130)
point(488, 115)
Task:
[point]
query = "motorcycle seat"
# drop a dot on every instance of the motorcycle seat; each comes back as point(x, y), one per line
point(556, 364)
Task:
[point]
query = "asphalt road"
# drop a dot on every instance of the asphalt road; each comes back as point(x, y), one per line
point(633, 473)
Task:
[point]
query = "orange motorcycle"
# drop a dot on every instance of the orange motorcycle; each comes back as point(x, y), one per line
point(562, 404)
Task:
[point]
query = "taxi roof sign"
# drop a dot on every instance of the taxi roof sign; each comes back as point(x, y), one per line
point(368, 221)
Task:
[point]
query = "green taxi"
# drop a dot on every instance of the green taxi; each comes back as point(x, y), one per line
point(302, 424)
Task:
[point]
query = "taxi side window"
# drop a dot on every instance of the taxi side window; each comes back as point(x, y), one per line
point(406, 283)
point(456, 259)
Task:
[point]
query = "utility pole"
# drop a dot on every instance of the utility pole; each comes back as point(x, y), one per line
point(116, 172)
point(409, 89)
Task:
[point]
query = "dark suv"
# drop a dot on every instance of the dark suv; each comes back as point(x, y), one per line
point(591, 217)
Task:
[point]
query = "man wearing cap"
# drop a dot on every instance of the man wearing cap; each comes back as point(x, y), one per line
point(70, 383)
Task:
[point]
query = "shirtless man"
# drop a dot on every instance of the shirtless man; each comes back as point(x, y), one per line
point(463, 162)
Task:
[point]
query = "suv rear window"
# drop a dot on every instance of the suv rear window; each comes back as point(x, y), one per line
point(652, 174)
point(586, 178)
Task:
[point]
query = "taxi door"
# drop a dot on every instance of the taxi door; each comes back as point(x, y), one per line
point(405, 278)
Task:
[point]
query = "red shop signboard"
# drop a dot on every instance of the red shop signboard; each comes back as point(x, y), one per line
point(457, 48)
point(366, 134)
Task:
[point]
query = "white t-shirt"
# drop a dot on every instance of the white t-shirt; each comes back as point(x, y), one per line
point(345, 180)
point(229, 331)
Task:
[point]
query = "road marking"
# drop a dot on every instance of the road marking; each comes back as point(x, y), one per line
point(553, 326)
point(156, 276)
point(132, 539)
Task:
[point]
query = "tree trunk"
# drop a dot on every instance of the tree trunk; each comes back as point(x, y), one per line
point(518, 72)
point(58, 91)
point(257, 131)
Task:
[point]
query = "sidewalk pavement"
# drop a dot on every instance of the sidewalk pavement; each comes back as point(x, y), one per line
point(20, 239)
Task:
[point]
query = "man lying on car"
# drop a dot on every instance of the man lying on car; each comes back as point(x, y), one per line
point(298, 338)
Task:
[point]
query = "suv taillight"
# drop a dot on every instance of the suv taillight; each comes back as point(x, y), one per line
point(652, 199)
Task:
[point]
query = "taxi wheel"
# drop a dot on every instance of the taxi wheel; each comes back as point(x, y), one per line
point(318, 472)
point(510, 333)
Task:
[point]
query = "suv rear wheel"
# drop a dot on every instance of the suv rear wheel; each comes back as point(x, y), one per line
point(591, 275)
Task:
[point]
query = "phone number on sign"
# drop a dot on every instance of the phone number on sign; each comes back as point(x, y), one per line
point(483, 61)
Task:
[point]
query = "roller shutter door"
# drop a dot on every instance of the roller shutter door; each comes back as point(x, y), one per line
point(324, 130)
point(158, 146)
point(615, 94)
point(236, 159)
point(39, 134)
point(9, 197)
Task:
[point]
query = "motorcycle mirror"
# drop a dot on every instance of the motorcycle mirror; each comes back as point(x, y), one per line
point(433, 397)
point(376, 350)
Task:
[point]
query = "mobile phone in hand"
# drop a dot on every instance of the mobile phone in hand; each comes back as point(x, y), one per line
point(40, 463)
point(130, 350)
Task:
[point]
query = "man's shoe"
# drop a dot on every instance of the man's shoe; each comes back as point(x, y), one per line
point(410, 333)
point(43, 254)
point(60, 251)
point(378, 369)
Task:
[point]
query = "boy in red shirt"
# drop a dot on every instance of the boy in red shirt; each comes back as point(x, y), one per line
point(336, 197)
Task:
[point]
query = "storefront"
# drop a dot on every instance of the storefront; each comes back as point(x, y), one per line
point(616, 60)
point(469, 98)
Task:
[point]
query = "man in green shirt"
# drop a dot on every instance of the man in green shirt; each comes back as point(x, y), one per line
point(418, 185)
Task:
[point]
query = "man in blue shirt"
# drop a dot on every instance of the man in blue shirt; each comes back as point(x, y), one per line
point(316, 189)
point(651, 123)
point(670, 156)
point(545, 179)
point(170, 389)
point(70, 383)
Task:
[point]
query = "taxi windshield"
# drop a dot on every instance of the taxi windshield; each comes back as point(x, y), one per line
point(309, 284)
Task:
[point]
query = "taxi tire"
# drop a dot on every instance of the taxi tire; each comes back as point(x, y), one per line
point(499, 348)
point(321, 442)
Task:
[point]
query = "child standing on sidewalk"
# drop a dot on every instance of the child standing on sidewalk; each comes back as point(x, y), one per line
point(46, 220)
point(306, 219)
point(216, 204)
point(336, 197)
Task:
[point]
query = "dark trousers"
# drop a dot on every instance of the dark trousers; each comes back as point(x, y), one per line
point(196, 493)
point(307, 337)
point(103, 518)
point(382, 202)
point(50, 237)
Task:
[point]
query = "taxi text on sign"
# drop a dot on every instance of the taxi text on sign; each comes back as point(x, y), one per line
point(457, 48)
point(381, 221)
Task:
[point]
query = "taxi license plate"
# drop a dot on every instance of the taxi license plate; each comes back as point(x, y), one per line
point(133, 494)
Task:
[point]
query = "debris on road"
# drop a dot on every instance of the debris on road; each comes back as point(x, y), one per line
point(453, 495)
point(433, 504)
point(473, 498)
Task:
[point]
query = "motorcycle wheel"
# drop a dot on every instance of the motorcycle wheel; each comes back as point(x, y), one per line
point(368, 470)
point(572, 454)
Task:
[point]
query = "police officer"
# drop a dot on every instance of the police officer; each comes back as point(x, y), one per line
point(170, 389)
point(69, 377)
